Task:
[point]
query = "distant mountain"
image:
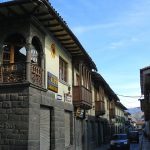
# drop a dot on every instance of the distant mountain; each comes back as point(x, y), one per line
point(134, 110)
point(136, 113)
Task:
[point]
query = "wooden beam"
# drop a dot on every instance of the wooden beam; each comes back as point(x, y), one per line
point(23, 9)
point(12, 11)
point(56, 30)
point(52, 25)
point(61, 35)
point(2, 14)
point(47, 19)
point(70, 47)
point(67, 39)
point(41, 14)
point(68, 42)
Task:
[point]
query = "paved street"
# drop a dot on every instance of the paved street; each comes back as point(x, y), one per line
point(133, 146)
point(145, 144)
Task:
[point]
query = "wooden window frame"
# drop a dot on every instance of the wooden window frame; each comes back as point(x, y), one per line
point(63, 70)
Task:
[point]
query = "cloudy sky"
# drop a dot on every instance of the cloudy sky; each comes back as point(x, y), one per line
point(116, 34)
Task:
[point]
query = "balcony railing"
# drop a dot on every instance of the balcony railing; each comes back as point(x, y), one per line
point(145, 107)
point(99, 108)
point(142, 104)
point(36, 74)
point(16, 73)
point(82, 97)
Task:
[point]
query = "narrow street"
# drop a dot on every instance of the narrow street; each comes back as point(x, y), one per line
point(134, 146)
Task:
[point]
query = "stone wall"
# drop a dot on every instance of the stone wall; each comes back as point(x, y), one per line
point(37, 98)
point(14, 112)
point(20, 118)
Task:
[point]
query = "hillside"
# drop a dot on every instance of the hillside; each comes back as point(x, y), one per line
point(136, 113)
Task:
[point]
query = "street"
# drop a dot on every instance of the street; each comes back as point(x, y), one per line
point(134, 146)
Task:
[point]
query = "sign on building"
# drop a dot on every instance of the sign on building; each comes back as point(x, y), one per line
point(52, 82)
point(68, 97)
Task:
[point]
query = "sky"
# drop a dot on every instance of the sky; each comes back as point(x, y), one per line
point(115, 33)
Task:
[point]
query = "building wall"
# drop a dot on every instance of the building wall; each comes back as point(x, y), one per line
point(119, 123)
point(14, 114)
point(52, 64)
point(20, 106)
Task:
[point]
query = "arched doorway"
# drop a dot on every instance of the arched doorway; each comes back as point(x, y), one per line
point(36, 61)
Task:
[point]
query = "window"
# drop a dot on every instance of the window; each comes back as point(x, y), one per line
point(62, 70)
point(34, 56)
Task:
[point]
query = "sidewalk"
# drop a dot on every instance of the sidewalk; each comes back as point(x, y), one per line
point(103, 147)
point(145, 144)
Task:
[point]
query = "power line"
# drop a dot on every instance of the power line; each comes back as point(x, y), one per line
point(129, 96)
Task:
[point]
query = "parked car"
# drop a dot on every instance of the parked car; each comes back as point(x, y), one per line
point(134, 136)
point(119, 141)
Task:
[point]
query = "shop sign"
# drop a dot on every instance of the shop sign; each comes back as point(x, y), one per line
point(52, 82)
point(68, 98)
point(59, 97)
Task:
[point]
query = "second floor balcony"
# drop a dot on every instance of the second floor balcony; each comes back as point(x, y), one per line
point(145, 107)
point(112, 113)
point(99, 108)
point(82, 97)
point(21, 61)
point(16, 73)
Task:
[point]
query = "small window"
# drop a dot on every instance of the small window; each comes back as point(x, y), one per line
point(34, 56)
point(63, 70)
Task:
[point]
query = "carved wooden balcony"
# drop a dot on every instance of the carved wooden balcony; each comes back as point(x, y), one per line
point(112, 113)
point(99, 108)
point(145, 106)
point(142, 101)
point(11, 73)
point(36, 74)
point(16, 73)
point(82, 97)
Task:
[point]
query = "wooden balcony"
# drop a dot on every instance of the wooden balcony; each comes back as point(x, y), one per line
point(82, 97)
point(36, 74)
point(16, 73)
point(112, 113)
point(145, 106)
point(12, 73)
point(142, 102)
point(99, 108)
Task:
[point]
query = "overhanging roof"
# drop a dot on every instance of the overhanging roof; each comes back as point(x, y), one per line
point(99, 80)
point(143, 72)
point(121, 106)
point(51, 20)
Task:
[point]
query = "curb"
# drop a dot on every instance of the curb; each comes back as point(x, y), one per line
point(141, 143)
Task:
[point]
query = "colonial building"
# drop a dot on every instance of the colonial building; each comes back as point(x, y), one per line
point(51, 96)
point(103, 112)
point(44, 71)
point(145, 103)
point(120, 117)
